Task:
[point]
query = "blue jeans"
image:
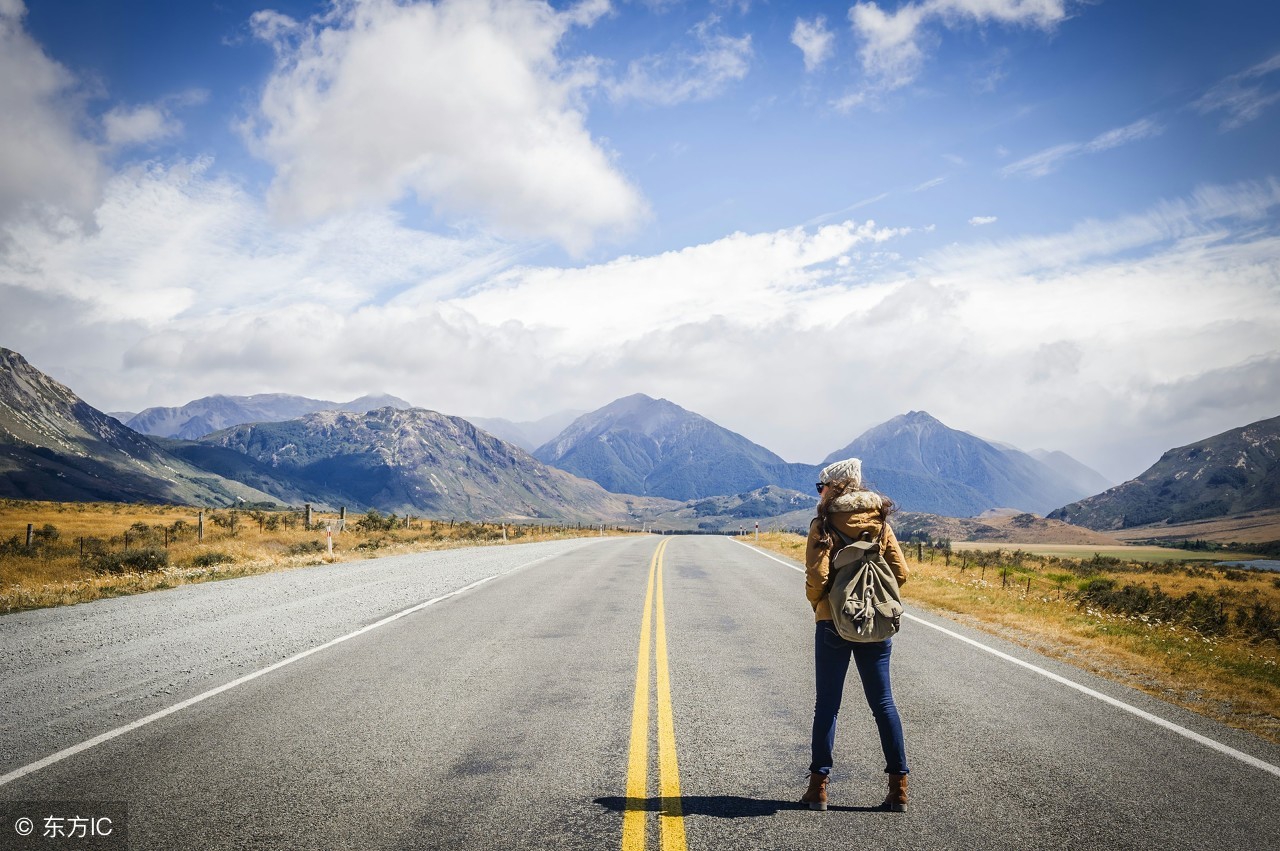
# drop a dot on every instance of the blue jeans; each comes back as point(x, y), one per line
point(831, 662)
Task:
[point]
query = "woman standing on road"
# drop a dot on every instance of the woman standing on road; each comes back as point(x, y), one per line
point(845, 506)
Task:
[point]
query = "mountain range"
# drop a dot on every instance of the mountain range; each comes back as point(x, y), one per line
point(642, 445)
point(1230, 473)
point(55, 446)
point(527, 435)
point(211, 413)
point(1084, 479)
point(415, 461)
point(658, 459)
point(653, 447)
point(926, 466)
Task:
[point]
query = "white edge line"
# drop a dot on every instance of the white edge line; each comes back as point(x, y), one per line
point(178, 707)
point(1119, 704)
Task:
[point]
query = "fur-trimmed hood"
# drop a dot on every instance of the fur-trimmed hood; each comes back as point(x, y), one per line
point(857, 501)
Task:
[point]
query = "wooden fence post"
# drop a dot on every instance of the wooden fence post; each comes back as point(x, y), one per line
point(30, 533)
point(200, 527)
point(306, 521)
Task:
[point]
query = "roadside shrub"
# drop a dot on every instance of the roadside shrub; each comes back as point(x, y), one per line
point(15, 545)
point(229, 521)
point(1259, 621)
point(371, 544)
point(1205, 613)
point(372, 521)
point(305, 548)
point(212, 558)
point(144, 560)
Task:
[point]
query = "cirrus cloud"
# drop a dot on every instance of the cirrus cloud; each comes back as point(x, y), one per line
point(1243, 96)
point(684, 74)
point(894, 49)
point(1047, 161)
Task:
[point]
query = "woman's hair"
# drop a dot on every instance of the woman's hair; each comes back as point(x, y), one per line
point(830, 492)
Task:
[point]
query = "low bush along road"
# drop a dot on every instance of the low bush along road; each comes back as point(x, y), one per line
point(595, 693)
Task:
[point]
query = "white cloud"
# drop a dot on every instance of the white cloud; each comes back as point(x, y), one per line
point(467, 105)
point(44, 160)
point(753, 277)
point(850, 101)
point(1050, 159)
point(895, 43)
point(174, 244)
point(141, 125)
point(814, 40)
point(978, 221)
point(1243, 96)
point(929, 184)
point(681, 74)
point(138, 125)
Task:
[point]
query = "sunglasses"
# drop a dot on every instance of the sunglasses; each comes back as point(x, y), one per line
point(820, 486)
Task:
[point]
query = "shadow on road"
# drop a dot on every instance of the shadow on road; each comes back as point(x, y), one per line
point(718, 806)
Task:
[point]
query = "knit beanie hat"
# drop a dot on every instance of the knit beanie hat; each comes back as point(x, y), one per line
point(849, 468)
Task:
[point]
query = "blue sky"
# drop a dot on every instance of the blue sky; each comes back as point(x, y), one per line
point(1051, 223)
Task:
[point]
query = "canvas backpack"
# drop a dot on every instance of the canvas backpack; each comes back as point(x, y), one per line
point(866, 604)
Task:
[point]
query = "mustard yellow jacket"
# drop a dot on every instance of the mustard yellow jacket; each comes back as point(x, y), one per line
point(853, 514)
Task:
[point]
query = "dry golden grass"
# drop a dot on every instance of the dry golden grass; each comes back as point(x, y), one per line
point(1126, 552)
point(1254, 527)
point(62, 568)
point(1225, 677)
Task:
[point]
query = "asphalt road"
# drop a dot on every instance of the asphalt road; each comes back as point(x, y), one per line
point(501, 717)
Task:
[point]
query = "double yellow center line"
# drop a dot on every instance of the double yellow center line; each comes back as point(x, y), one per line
point(670, 815)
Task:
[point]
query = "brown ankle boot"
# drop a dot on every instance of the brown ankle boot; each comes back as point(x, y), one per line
point(816, 797)
point(896, 801)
